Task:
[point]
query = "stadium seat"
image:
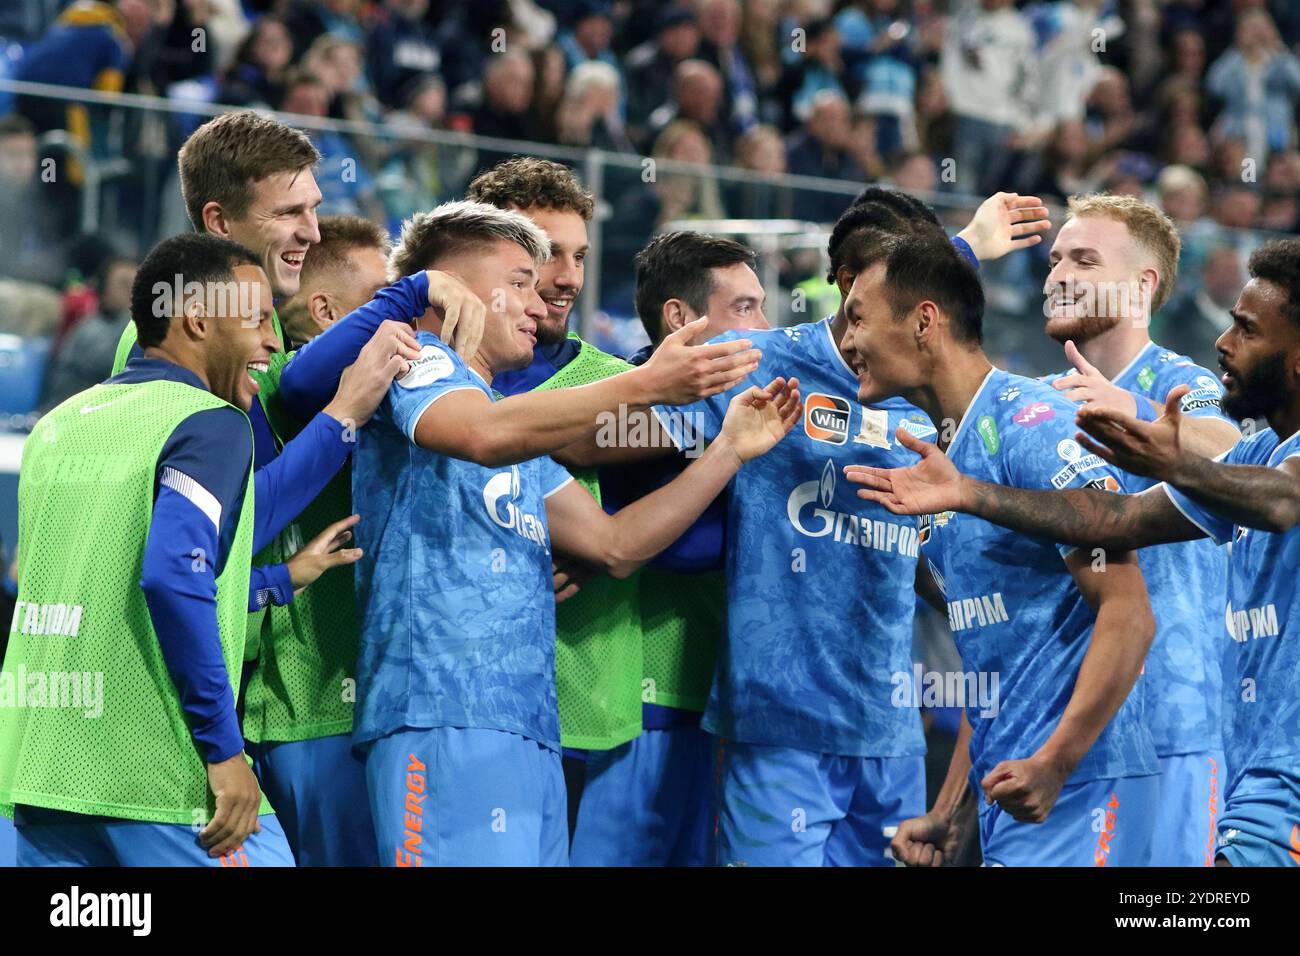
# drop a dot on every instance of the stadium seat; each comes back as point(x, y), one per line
point(22, 371)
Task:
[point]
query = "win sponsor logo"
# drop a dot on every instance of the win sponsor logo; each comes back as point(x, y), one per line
point(981, 611)
point(826, 418)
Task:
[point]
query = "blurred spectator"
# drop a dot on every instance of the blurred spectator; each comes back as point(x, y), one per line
point(1182, 194)
point(879, 52)
point(819, 68)
point(824, 147)
point(934, 121)
point(1068, 35)
point(88, 47)
point(761, 150)
point(346, 185)
point(916, 174)
point(550, 69)
point(1194, 326)
point(1258, 80)
point(590, 36)
point(696, 96)
point(1063, 169)
point(1236, 206)
point(33, 219)
point(1112, 122)
point(308, 20)
point(720, 47)
point(761, 44)
point(166, 54)
point(507, 96)
point(256, 78)
point(990, 77)
point(588, 114)
point(339, 64)
point(419, 174)
point(85, 356)
point(649, 67)
point(402, 47)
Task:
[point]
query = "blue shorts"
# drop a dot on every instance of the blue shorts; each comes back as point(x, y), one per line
point(1094, 823)
point(8, 843)
point(779, 806)
point(1187, 809)
point(58, 838)
point(648, 802)
point(318, 789)
point(454, 796)
point(1260, 823)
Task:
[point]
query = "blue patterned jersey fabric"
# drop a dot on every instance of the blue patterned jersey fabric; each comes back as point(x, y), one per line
point(1186, 581)
point(1013, 606)
point(454, 588)
point(819, 582)
point(1260, 626)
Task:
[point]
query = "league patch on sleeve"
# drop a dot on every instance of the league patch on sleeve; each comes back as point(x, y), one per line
point(433, 365)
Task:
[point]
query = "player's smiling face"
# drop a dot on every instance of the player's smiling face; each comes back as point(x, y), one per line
point(504, 276)
point(242, 338)
point(280, 226)
point(736, 302)
point(876, 345)
point(1094, 283)
point(561, 278)
point(1259, 353)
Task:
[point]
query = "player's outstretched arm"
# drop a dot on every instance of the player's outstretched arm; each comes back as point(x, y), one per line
point(1121, 637)
point(1256, 497)
point(1207, 437)
point(933, 839)
point(1080, 516)
point(1004, 223)
point(466, 425)
point(311, 377)
point(756, 420)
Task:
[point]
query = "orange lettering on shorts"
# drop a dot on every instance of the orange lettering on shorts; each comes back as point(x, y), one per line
point(1102, 853)
point(408, 854)
point(1295, 844)
point(1214, 811)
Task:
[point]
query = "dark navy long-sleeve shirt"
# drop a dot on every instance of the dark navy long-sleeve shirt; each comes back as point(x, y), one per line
point(200, 482)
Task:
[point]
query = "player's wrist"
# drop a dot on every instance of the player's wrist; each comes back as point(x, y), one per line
point(725, 449)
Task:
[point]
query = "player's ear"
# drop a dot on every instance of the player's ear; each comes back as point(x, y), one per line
point(925, 316)
point(194, 319)
point(321, 310)
point(214, 219)
point(844, 280)
point(676, 313)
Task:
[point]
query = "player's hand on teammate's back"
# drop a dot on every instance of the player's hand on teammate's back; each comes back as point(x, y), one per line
point(568, 576)
point(1088, 386)
point(1152, 449)
point(238, 800)
point(1026, 789)
point(929, 840)
point(365, 382)
point(758, 418)
point(931, 486)
point(1004, 223)
point(323, 552)
point(679, 373)
point(463, 312)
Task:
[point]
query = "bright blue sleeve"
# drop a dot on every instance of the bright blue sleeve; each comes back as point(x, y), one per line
point(269, 584)
point(1216, 528)
point(202, 479)
point(967, 253)
point(311, 377)
point(553, 475)
point(437, 372)
point(298, 474)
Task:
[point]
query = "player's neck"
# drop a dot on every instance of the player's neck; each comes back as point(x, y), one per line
point(1114, 350)
point(950, 393)
point(479, 364)
point(1286, 421)
point(177, 357)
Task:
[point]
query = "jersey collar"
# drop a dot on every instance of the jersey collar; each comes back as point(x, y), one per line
point(974, 399)
point(1133, 362)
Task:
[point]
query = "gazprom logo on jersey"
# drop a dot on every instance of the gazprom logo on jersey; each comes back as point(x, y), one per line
point(505, 485)
point(1076, 462)
point(846, 528)
point(969, 690)
point(979, 611)
point(1255, 622)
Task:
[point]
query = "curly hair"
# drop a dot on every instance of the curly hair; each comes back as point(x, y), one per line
point(526, 182)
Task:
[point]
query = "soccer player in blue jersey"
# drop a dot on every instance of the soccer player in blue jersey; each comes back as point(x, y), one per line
point(817, 766)
point(1065, 631)
point(456, 693)
point(1114, 263)
point(1248, 497)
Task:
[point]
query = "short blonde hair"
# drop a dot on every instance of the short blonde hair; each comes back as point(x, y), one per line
point(1150, 228)
point(454, 227)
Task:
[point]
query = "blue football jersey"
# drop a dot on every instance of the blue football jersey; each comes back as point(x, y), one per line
point(1261, 620)
point(454, 587)
point(819, 582)
point(1187, 581)
point(1013, 607)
